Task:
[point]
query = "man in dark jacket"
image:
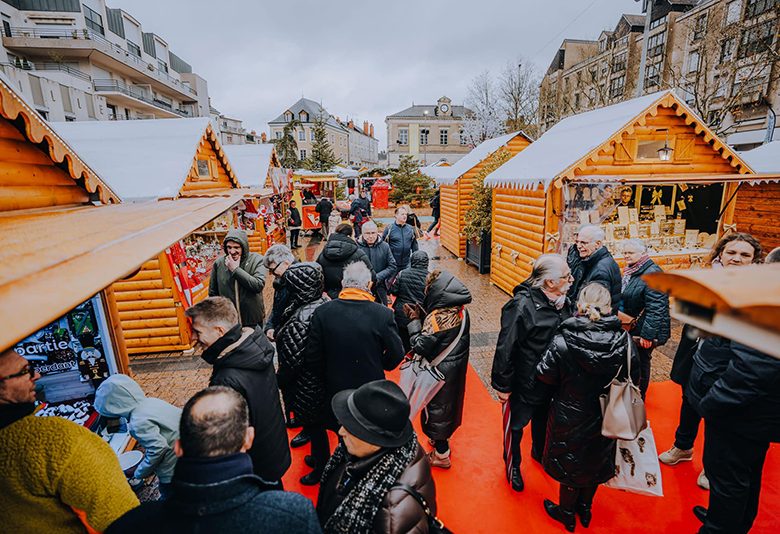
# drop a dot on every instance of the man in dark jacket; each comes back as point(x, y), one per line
point(214, 488)
point(358, 213)
point(597, 265)
point(276, 261)
point(400, 236)
point(324, 208)
point(737, 390)
point(381, 259)
point(409, 288)
point(240, 278)
point(243, 359)
point(294, 222)
point(435, 204)
point(528, 323)
point(340, 251)
point(352, 340)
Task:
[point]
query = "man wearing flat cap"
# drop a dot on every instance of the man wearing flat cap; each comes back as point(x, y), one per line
point(361, 487)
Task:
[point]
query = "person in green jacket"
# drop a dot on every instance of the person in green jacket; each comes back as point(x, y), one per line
point(57, 476)
point(152, 422)
point(240, 277)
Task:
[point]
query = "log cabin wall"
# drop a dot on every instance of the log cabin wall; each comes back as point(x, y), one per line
point(450, 216)
point(518, 232)
point(758, 213)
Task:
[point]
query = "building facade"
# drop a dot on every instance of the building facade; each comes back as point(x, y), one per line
point(429, 133)
point(82, 60)
point(231, 131)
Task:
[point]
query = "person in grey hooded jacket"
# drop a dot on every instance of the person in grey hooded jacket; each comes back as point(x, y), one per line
point(152, 422)
point(240, 277)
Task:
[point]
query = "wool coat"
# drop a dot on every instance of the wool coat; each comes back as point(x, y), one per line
point(649, 306)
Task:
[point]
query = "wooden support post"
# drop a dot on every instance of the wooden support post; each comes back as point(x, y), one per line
point(117, 336)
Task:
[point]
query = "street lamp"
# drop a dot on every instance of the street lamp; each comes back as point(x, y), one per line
point(424, 147)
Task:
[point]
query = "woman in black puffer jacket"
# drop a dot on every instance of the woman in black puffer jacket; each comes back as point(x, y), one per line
point(582, 360)
point(303, 389)
point(409, 288)
point(445, 305)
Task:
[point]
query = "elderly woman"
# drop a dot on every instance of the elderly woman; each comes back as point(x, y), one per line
point(646, 309)
point(583, 358)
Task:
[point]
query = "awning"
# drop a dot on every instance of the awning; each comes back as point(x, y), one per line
point(55, 259)
point(321, 178)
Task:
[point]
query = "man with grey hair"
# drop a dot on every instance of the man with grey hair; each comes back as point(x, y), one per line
point(596, 265)
point(528, 323)
point(353, 340)
point(276, 260)
point(381, 258)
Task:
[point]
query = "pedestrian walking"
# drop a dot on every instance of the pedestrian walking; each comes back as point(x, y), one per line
point(57, 476)
point(585, 355)
point(302, 385)
point(358, 213)
point(352, 340)
point(409, 288)
point(324, 208)
point(215, 490)
point(401, 238)
point(595, 264)
point(276, 261)
point(445, 321)
point(435, 204)
point(413, 220)
point(381, 258)
point(153, 423)
point(240, 278)
point(340, 250)
point(333, 221)
point(644, 311)
point(367, 483)
point(243, 359)
point(294, 222)
point(528, 323)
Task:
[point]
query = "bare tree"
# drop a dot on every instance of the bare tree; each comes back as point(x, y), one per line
point(518, 88)
point(485, 120)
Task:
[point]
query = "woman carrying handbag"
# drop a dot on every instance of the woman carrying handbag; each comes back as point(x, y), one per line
point(584, 357)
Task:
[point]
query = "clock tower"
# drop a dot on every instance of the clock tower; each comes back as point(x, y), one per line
point(444, 107)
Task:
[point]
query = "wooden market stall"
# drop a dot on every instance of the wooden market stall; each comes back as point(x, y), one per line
point(646, 168)
point(456, 184)
point(758, 202)
point(320, 184)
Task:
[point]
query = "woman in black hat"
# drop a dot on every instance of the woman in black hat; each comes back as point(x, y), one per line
point(379, 450)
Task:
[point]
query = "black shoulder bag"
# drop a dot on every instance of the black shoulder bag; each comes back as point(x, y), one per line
point(435, 525)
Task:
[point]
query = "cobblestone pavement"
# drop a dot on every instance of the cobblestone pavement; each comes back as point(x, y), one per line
point(175, 377)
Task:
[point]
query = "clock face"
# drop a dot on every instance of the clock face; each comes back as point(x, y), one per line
point(444, 107)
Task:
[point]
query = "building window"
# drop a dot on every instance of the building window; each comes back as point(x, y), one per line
point(720, 87)
point(756, 7)
point(7, 28)
point(657, 22)
point(311, 136)
point(756, 39)
point(303, 154)
point(726, 50)
point(655, 44)
point(93, 20)
point(301, 135)
point(622, 42)
point(303, 116)
point(693, 61)
point(444, 137)
point(278, 135)
point(462, 135)
point(733, 12)
point(699, 28)
point(403, 136)
point(576, 101)
point(619, 62)
point(653, 75)
point(229, 138)
point(288, 116)
point(649, 149)
point(424, 136)
point(617, 86)
point(134, 49)
point(162, 66)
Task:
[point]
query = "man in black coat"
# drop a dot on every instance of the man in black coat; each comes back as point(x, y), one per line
point(381, 258)
point(340, 251)
point(409, 288)
point(596, 265)
point(528, 323)
point(295, 222)
point(435, 204)
point(742, 413)
point(324, 208)
point(243, 359)
point(352, 340)
point(214, 488)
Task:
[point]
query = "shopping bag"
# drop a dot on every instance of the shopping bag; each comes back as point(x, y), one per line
point(636, 466)
point(420, 383)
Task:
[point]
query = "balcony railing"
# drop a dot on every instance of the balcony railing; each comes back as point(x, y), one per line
point(90, 35)
point(116, 86)
point(28, 65)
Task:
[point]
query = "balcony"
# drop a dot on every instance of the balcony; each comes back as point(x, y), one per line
point(134, 97)
point(84, 43)
point(23, 64)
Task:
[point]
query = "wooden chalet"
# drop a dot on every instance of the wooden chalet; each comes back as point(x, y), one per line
point(758, 201)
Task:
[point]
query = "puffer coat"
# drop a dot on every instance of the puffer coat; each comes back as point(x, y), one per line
point(444, 303)
point(304, 389)
point(339, 251)
point(582, 360)
point(409, 288)
point(649, 306)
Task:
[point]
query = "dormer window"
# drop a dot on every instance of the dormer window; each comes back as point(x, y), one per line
point(288, 116)
point(303, 116)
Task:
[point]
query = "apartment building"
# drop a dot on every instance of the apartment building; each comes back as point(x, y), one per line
point(83, 60)
point(428, 132)
point(231, 131)
point(363, 146)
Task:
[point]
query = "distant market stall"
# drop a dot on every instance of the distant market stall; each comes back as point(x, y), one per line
point(331, 184)
point(647, 168)
point(758, 201)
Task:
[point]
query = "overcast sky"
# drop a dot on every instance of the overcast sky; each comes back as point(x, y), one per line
point(361, 58)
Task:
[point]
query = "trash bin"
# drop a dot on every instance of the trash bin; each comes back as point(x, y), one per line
point(379, 194)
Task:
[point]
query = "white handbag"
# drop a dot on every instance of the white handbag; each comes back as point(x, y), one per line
point(622, 406)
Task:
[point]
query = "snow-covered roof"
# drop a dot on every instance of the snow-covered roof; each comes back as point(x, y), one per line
point(139, 159)
point(765, 158)
point(448, 175)
point(567, 142)
point(250, 162)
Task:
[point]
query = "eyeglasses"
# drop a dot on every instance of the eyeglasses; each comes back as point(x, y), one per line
point(566, 277)
point(28, 370)
point(273, 270)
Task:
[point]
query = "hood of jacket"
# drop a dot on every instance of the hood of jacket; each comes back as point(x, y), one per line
point(445, 292)
point(597, 346)
point(240, 237)
point(420, 260)
point(118, 396)
point(255, 353)
point(304, 282)
point(339, 247)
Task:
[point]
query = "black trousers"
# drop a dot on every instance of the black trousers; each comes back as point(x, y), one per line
point(688, 428)
point(522, 414)
point(645, 358)
point(570, 498)
point(433, 224)
point(294, 237)
point(733, 465)
point(320, 448)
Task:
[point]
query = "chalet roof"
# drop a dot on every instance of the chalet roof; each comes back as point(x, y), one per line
point(418, 111)
point(142, 159)
point(250, 162)
point(449, 175)
point(765, 158)
point(567, 145)
point(313, 109)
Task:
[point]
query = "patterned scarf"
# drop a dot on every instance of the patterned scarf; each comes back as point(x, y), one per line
point(442, 319)
point(629, 270)
point(355, 514)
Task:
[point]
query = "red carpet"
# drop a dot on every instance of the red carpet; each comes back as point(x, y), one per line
point(474, 496)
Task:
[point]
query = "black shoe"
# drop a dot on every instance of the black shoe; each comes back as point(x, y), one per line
point(309, 461)
point(300, 440)
point(292, 422)
point(559, 514)
point(585, 513)
point(700, 512)
point(516, 479)
point(312, 479)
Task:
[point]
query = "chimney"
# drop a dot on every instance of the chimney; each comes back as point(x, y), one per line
point(365, 127)
point(350, 124)
point(371, 129)
point(263, 137)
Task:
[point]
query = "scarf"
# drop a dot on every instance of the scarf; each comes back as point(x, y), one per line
point(630, 270)
point(355, 514)
point(211, 354)
point(441, 319)
point(353, 293)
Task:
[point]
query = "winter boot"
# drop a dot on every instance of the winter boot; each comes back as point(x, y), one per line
point(565, 517)
point(440, 460)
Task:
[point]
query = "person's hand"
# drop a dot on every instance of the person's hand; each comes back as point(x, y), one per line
point(503, 397)
point(645, 343)
point(231, 264)
point(270, 334)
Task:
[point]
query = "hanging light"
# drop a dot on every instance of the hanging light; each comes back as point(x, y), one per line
point(665, 153)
